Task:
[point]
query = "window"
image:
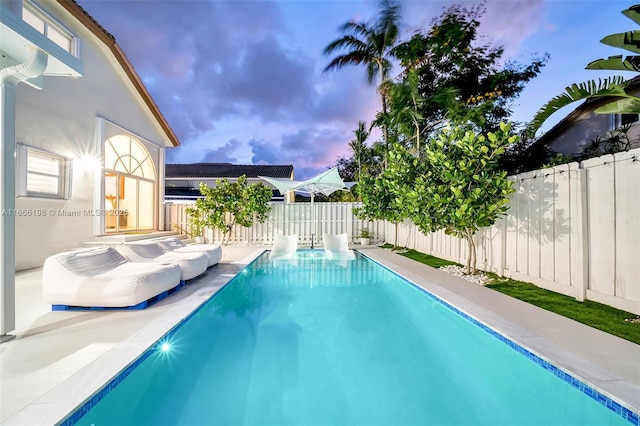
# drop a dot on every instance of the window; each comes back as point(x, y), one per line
point(42, 174)
point(46, 25)
point(619, 120)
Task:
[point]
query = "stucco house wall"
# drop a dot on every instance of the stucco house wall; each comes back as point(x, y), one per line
point(73, 117)
point(579, 133)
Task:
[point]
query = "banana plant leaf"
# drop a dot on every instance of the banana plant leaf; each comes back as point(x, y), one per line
point(616, 63)
point(633, 13)
point(629, 41)
point(621, 106)
point(613, 87)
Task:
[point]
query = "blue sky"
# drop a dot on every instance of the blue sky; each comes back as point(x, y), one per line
point(242, 82)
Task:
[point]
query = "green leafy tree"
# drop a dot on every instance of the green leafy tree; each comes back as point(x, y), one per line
point(459, 79)
point(461, 187)
point(370, 45)
point(405, 108)
point(371, 163)
point(195, 222)
point(243, 202)
point(611, 89)
point(382, 195)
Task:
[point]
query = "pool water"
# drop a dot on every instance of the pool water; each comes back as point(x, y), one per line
point(319, 342)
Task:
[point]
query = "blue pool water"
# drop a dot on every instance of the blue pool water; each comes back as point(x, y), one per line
point(319, 342)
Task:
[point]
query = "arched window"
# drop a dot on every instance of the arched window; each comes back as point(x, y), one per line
point(126, 155)
point(129, 185)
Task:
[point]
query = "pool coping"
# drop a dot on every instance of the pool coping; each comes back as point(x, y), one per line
point(602, 378)
point(65, 399)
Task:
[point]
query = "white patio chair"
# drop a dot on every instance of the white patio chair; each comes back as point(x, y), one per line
point(284, 247)
point(102, 277)
point(213, 251)
point(337, 247)
point(191, 264)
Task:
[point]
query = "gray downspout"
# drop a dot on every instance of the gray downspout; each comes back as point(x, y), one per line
point(9, 79)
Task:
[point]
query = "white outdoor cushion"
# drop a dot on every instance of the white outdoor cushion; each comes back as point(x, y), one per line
point(337, 246)
point(213, 251)
point(284, 247)
point(101, 277)
point(191, 264)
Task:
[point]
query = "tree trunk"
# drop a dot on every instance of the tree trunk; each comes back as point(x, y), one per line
point(385, 131)
point(471, 256)
point(227, 233)
point(395, 243)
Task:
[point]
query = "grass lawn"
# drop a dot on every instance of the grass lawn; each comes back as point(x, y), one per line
point(593, 314)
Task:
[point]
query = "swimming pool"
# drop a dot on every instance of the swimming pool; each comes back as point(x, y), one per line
point(313, 341)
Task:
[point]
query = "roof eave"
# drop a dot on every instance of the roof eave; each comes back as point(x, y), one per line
point(109, 40)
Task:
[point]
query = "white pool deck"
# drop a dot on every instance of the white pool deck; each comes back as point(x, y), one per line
point(59, 359)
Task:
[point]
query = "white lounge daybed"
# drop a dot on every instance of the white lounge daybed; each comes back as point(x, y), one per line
point(337, 247)
point(284, 247)
point(213, 251)
point(102, 277)
point(191, 264)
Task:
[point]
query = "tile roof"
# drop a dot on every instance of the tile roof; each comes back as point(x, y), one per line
point(178, 193)
point(228, 170)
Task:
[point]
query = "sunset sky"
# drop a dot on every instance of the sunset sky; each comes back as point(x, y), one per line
point(242, 82)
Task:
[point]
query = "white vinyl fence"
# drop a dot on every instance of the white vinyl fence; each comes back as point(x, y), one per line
point(288, 219)
point(573, 229)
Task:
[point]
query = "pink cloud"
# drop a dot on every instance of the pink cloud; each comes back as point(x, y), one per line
point(509, 23)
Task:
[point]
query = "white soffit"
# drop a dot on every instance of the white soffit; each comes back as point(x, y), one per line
point(18, 39)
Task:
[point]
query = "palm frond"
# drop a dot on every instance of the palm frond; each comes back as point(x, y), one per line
point(616, 63)
point(387, 24)
point(633, 13)
point(344, 42)
point(629, 40)
point(351, 58)
point(612, 87)
point(356, 28)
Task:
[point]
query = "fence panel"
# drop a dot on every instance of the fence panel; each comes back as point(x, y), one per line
point(627, 221)
point(601, 204)
point(286, 219)
point(558, 228)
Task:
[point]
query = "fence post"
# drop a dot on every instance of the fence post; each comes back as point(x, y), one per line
point(580, 242)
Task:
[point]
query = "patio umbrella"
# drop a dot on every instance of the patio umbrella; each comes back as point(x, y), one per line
point(325, 183)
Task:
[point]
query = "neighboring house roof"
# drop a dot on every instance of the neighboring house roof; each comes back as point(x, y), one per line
point(227, 170)
point(182, 193)
point(109, 40)
point(581, 112)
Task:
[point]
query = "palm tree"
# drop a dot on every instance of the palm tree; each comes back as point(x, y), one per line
point(371, 46)
point(359, 147)
point(612, 89)
point(406, 102)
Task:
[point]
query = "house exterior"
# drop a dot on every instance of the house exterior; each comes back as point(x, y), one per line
point(580, 127)
point(83, 141)
point(182, 181)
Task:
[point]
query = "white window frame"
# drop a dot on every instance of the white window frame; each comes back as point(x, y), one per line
point(615, 121)
point(64, 174)
point(51, 27)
